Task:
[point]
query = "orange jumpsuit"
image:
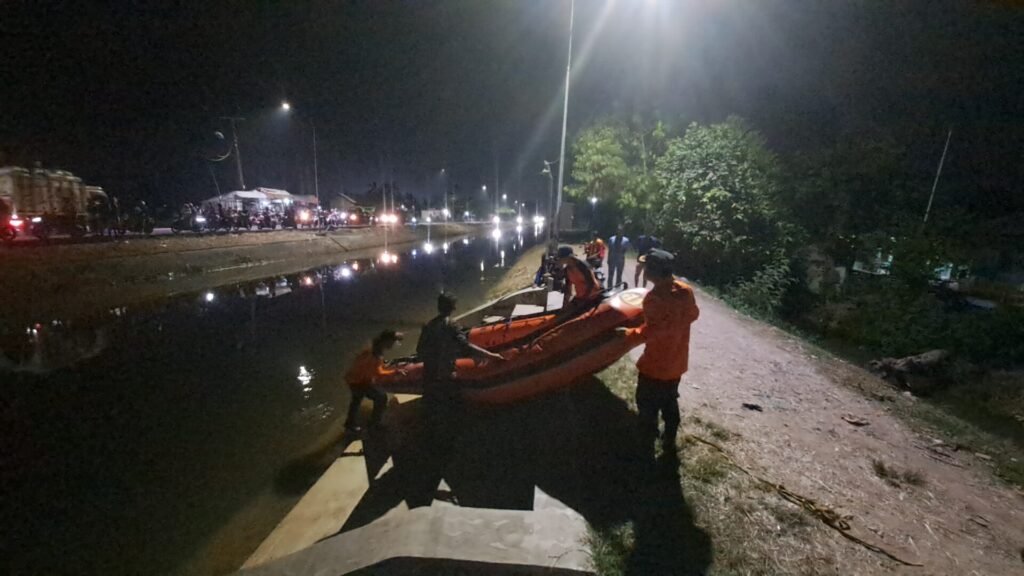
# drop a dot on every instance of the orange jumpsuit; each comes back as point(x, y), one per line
point(366, 369)
point(361, 377)
point(668, 312)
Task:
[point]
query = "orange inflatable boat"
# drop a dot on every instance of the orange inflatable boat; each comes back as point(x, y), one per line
point(540, 355)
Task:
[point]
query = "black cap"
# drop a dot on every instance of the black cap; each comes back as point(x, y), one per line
point(390, 335)
point(446, 302)
point(564, 251)
point(659, 262)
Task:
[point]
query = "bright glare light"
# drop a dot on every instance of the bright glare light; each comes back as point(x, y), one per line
point(210, 296)
point(199, 219)
point(304, 376)
point(496, 234)
point(413, 219)
point(355, 265)
point(496, 219)
point(485, 187)
point(466, 214)
point(394, 258)
point(519, 219)
point(504, 196)
point(286, 106)
point(353, 217)
point(428, 247)
point(444, 247)
point(519, 229)
point(481, 265)
point(428, 220)
point(447, 213)
point(346, 272)
point(465, 241)
point(304, 215)
point(307, 280)
point(593, 199)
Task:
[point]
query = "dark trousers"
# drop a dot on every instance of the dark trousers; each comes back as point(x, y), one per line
point(615, 272)
point(655, 397)
point(380, 402)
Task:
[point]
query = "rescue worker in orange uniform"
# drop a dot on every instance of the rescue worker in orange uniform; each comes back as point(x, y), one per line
point(367, 367)
point(669, 309)
point(582, 290)
point(595, 251)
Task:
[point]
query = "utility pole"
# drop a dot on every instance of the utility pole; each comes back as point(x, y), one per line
point(238, 152)
point(938, 173)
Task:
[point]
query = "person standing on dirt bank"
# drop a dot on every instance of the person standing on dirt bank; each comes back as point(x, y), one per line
point(617, 247)
point(367, 367)
point(669, 309)
point(644, 244)
point(595, 251)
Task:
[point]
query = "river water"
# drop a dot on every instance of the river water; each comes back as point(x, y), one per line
point(164, 440)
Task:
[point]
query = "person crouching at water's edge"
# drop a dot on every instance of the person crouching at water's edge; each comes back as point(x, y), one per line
point(366, 369)
point(669, 309)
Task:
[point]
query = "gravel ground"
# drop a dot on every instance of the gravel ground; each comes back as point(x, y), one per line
point(951, 515)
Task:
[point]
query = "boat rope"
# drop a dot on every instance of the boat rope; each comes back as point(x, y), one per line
point(826, 515)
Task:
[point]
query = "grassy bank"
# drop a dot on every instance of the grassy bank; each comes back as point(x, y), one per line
point(754, 531)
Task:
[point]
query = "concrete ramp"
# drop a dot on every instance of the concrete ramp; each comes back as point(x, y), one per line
point(447, 539)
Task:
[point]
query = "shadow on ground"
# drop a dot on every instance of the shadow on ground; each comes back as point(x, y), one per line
point(579, 446)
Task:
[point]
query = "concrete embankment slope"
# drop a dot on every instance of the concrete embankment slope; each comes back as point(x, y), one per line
point(77, 280)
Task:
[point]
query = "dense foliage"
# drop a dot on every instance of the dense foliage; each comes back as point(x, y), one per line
point(756, 225)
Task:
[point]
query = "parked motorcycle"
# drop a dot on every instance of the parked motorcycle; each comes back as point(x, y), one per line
point(10, 227)
point(189, 223)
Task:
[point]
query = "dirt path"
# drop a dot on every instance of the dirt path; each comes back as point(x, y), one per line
point(952, 517)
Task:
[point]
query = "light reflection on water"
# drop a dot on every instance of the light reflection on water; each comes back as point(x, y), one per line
point(137, 433)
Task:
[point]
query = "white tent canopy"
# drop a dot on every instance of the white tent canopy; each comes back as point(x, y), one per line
point(238, 199)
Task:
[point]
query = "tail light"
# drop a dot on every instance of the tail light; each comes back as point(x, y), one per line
point(17, 222)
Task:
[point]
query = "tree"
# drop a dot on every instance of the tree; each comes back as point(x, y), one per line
point(600, 165)
point(614, 162)
point(718, 188)
point(849, 195)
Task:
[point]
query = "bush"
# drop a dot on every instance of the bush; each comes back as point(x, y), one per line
point(892, 318)
point(763, 294)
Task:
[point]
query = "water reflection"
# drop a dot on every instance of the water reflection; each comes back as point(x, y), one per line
point(179, 414)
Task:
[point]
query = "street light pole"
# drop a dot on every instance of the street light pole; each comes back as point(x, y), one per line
point(316, 172)
point(551, 195)
point(565, 117)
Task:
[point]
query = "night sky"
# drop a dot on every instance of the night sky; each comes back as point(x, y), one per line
point(128, 94)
